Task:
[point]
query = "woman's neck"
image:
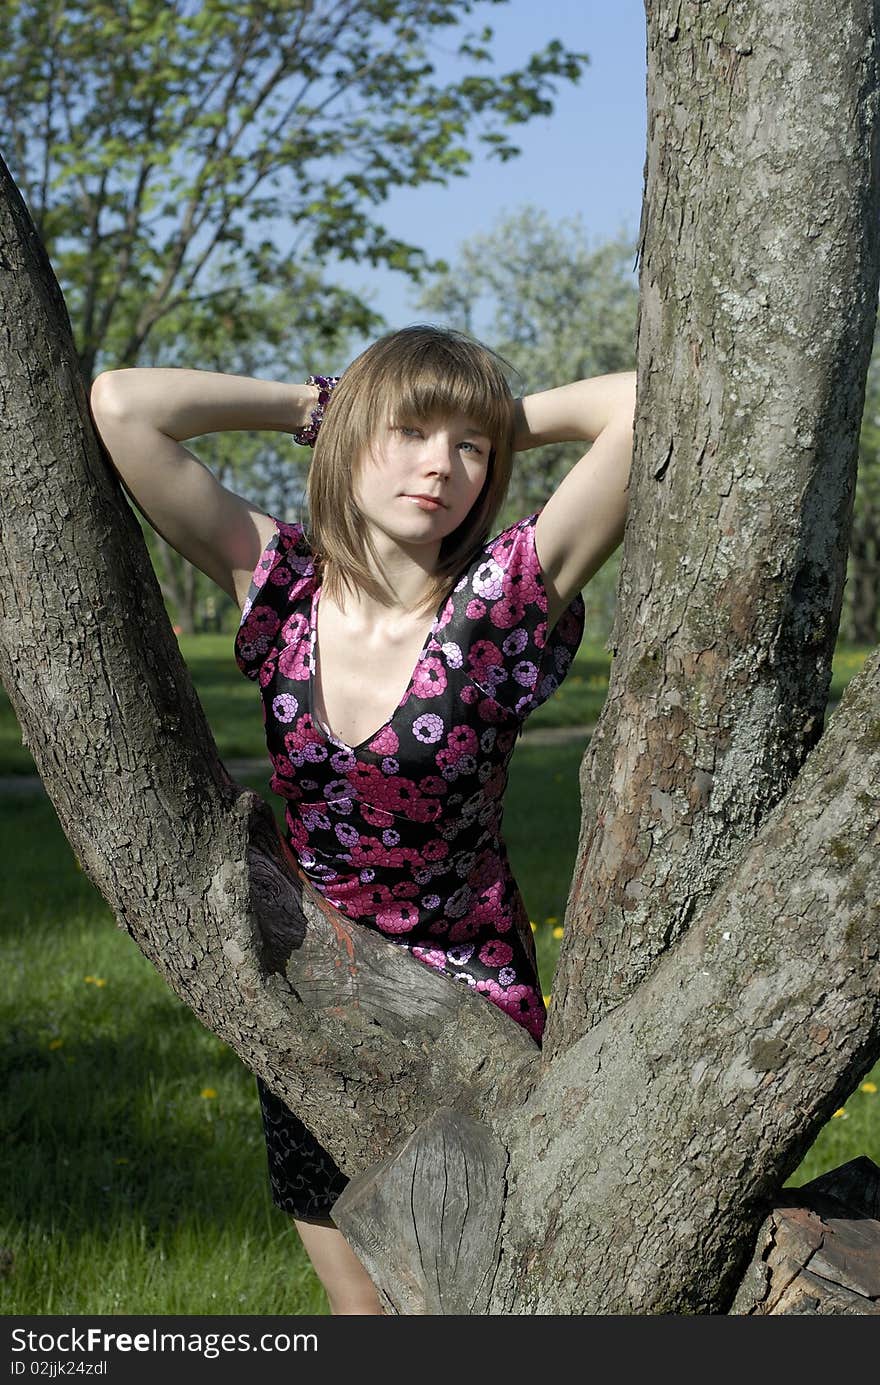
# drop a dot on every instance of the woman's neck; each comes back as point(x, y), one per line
point(410, 582)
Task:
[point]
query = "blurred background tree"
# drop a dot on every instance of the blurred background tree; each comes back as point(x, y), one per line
point(196, 170)
point(149, 137)
point(860, 619)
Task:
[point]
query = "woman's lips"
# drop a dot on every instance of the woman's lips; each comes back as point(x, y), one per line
point(423, 503)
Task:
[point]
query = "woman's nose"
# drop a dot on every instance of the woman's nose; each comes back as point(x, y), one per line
point(440, 454)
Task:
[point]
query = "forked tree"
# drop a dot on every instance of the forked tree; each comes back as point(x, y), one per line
point(717, 993)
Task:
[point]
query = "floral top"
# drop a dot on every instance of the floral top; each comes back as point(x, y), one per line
point(402, 833)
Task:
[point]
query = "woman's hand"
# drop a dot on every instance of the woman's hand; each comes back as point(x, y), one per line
point(574, 413)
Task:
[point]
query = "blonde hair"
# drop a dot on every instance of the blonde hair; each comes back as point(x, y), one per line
point(415, 374)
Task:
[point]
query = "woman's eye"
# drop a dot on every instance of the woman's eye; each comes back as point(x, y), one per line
point(477, 451)
point(409, 432)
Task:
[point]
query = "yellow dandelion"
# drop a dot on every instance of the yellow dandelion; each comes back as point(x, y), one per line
point(56, 1043)
point(99, 981)
point(869, 1087)
point(839, 1112)
point(533, 926)
point(88, 979)
point(208, 1093)
point(551, 918)
point(557, 932)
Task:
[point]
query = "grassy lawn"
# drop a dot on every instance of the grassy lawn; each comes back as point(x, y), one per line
point(228, 698)
point(133, 1168)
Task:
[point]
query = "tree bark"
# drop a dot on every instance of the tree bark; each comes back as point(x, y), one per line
point(758, 295)
point(717, 995)
point(818, 1252)
point(660, 1137)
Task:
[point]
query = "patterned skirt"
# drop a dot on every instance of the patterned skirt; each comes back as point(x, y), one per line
point(305, 1181)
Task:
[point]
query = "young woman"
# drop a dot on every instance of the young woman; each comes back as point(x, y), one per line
point(398, 648)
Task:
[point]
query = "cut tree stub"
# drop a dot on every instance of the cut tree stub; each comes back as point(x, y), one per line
point(818, 1252)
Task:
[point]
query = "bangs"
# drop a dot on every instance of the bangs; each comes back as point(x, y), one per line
point(440, 383)
point(421, 372)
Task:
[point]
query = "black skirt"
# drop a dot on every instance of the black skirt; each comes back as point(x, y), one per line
point(304, 1179)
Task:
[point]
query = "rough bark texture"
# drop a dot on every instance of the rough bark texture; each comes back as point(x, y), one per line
point(443, 1256)
point(757, 302)
point(659, 1140)
point(718, 989)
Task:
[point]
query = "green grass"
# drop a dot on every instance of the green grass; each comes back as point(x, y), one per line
point(228, 698)
point(127, 1186)
point(125, 1189)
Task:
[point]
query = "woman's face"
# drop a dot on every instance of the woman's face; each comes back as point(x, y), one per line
point(445, 458)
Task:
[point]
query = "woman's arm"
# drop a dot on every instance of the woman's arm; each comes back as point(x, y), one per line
point(141, 415)
point(573, 413)
point(583, 521)
point(189, 403)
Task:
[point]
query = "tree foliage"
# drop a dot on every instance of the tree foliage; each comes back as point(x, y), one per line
point(153, 139)
point(193, 170)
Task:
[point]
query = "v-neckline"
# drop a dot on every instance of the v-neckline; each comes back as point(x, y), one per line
point(313, 670)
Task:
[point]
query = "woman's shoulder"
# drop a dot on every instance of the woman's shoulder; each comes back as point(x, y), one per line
point(507, 553)
point(498, 619)
point(517, 537)
point(485, 580)
point(282, 538)
point(289, 534)
point(284, 569)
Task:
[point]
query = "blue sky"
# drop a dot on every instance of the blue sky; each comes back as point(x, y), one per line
point(586, 159)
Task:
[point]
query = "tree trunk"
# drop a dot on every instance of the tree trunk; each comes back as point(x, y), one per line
point(717, 995)
point(757, 305)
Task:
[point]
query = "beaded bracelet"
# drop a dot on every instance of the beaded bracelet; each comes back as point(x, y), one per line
point(326, 384)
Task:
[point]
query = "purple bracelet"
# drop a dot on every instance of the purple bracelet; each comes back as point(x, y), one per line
point(326, 384)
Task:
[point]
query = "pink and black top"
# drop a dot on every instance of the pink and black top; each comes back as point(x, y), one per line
point(402, 833)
